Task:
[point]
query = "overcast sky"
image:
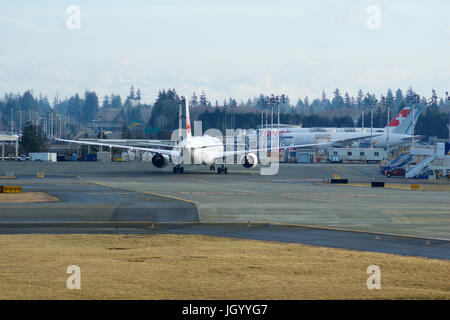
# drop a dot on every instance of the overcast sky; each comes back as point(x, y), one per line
point(226, 48)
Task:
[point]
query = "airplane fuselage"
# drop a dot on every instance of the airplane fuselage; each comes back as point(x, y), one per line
point(394, 139)
point(200, 150)
point(380, 141)
point(296, 136)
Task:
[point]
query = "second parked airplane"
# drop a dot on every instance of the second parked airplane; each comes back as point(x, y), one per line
point(399, 131)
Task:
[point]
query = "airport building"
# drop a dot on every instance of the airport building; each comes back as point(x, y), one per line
point(9, 140)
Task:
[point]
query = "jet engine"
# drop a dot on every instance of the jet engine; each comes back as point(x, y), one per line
point(160, 161)
point(249, 160)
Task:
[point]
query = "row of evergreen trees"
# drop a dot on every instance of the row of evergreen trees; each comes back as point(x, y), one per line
point(15, 106)
point(362, 101)
point(19, 109)
point(432, 122)
point(164, 115)
point(223, 119)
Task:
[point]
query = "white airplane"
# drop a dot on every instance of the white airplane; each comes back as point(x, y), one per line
point(199, 150)
point(400, 132)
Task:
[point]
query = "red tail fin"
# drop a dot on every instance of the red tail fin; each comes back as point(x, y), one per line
point(400, 117)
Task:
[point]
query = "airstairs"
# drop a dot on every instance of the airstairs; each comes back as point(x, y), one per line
point(441, 166)
point(419, 168)
point(402, 160)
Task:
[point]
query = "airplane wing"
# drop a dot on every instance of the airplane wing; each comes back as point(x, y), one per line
point(237, 152)
point(359, 138)
point(158, 145)
point(411, 137)
point(141, 143)
point(173, 153)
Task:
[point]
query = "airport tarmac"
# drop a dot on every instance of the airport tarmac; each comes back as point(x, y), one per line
point(291, 206)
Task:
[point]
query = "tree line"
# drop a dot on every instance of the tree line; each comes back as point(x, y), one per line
point(339, 111)
point(16, 109)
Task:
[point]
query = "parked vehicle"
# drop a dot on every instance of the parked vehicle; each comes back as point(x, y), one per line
point(92, 157)
point(395, 172)
point(43, 156)
point(335, 159)
point(368, 155)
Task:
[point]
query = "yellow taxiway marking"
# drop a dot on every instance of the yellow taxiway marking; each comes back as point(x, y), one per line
point(412, 208)
point(296, 195)
point(433, 219)
point(107, 222)
point(202, 186)
point(406, 186)
point(152, 193)
point(167, 196)
point(416, 212)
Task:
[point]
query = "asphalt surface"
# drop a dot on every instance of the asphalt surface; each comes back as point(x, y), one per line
point(291, 206)
point(439, 249)
point(82, 203)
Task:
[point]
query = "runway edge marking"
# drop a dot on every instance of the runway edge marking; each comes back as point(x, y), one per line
point(359, 231)
point(151, 193)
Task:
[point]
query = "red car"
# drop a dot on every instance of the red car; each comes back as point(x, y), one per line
point(395, 172)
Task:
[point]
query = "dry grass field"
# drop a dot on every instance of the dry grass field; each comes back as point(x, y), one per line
point(203, 267)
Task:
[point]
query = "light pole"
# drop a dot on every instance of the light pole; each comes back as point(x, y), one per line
point(387, 136)
point(264, 130)
point(278, 112)
point(371, 127)
point(362, 122)
point(12, 122)
point(262, 118)
point(101, 132)
point(180, 118)
point(448, 125)
point(374, 104)
point(272, 100)
point(277, 141)
point(416, 100)
point(283, 102)
point(267, 108)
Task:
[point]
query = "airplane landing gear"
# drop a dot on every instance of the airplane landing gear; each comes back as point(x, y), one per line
point(178, 169)
point(212, 168)
point(222, 169)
